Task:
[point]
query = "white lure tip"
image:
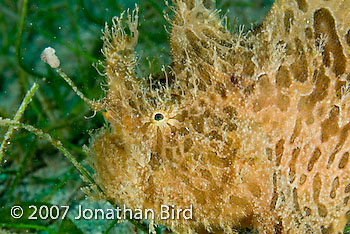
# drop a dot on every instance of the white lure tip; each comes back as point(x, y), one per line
point(48, 56)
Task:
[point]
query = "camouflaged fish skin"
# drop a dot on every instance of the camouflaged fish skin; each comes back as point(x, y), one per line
point(251, 129)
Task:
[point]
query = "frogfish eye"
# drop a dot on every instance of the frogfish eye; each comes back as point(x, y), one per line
point(158, 117)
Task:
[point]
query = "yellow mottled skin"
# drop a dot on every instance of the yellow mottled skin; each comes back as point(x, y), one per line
point(252, 130)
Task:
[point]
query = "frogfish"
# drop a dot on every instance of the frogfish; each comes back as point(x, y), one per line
point(251, 128)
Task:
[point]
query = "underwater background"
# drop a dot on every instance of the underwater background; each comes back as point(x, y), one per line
point(32, 171)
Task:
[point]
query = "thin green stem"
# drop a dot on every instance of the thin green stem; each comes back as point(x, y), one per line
point(27, 99)
point(94, 105)
point(19, 42)
point(111, 225)
point(21, 25)
point(56, 143)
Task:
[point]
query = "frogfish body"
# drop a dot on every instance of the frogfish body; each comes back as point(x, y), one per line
point(250, 129)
